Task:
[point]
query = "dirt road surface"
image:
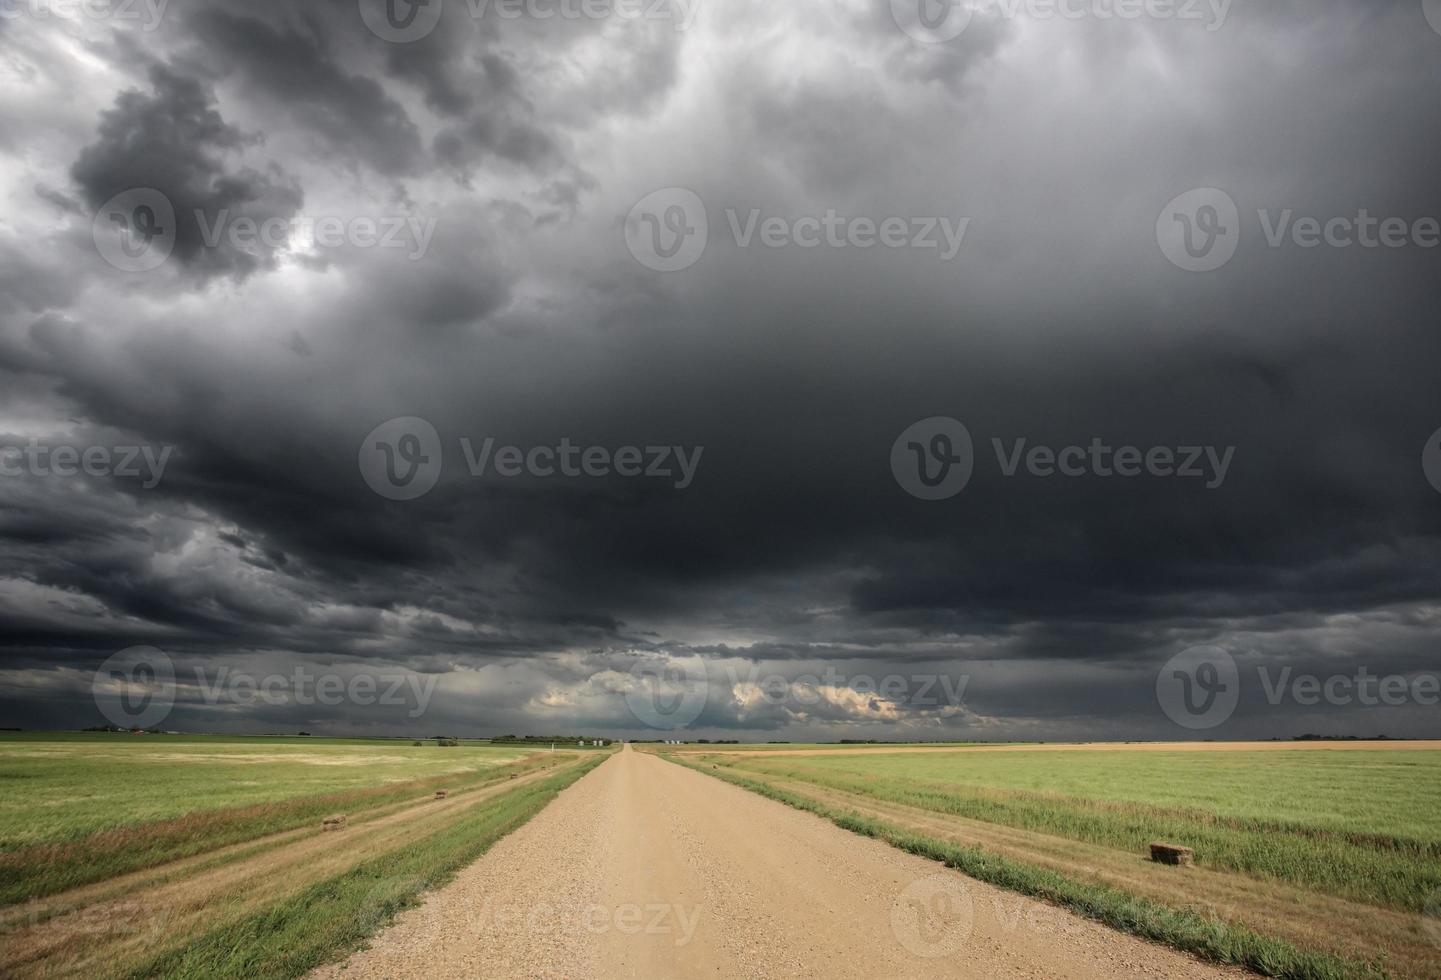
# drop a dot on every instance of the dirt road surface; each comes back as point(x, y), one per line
point(644, 869)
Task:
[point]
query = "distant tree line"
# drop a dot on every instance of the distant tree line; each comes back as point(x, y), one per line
point(547, 739)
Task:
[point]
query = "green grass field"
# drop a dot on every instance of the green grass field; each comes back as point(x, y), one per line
point(59, 788)
point(305, 930)
point(1362, 824)
point(151, 855)
point(1312, 862)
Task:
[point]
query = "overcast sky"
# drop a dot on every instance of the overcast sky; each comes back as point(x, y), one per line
point(457, 226)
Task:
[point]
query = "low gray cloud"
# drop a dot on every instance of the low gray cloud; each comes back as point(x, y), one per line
point(1048, 603)
point(173, 140)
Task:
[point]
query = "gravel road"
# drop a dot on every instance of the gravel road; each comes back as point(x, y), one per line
point(644, 869)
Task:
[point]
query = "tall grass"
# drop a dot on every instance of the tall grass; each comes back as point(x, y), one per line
point(55, 789)
point(1308, 818)
point(332, 917)
point(45, 869)
point(1209, 938)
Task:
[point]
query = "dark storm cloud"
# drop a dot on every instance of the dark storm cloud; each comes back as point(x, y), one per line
point(511, 141)
point(296, 73)
point(531, 600)
point(173, 139)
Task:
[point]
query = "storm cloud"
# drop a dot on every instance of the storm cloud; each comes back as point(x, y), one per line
point(461, 244)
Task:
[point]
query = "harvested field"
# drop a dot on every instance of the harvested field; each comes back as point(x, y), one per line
point(1336, 852)
point(136, 895)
